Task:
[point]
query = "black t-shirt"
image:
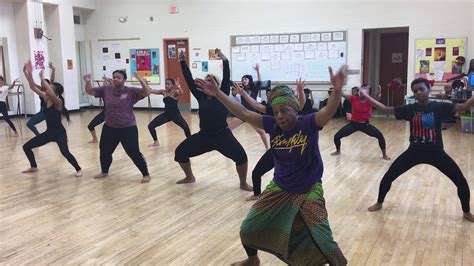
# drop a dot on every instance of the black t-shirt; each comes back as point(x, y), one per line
point(425, 122)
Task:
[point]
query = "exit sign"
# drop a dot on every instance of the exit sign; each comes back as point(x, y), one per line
point(173, 10)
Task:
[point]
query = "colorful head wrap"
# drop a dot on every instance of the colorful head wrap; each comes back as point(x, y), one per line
point(282, 94)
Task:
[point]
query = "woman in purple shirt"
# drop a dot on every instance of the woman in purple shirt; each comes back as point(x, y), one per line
point(120, 124)
point(289, 219)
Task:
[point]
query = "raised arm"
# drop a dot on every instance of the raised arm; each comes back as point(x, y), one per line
point(300, 93)
point(88, 80)
point(28, 71)
point(13, 84)
point(327, 112)
point(257, 69)
point(225, 84)
point(157, 92)
point(177, 87)
point(58, 103)
point(253, 103)
point(53, 72)
point(145, 91)
point(188, 77)
point(466, 106)
point(210, 88)
point(380, 106)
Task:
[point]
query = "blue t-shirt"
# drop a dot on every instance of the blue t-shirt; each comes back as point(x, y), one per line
point(298, 163)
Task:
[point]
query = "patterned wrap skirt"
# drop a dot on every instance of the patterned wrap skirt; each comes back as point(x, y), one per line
point(293, 227)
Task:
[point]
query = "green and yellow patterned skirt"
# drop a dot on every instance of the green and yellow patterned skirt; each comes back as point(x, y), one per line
point(293, 227)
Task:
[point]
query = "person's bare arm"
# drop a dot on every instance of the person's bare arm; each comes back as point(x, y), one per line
point(380, 106)
point(325, 114)
point(52, 77)
point(253, 103)
point(28, 71)
point(300, 93)
point(145, 90)
point(466, 106)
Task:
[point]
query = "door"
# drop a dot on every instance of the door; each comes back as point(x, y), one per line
point(172, 48)
point(393, 64)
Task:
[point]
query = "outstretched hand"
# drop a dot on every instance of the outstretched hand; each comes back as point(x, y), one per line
point(50, 65)
point(257, 67)
point(237, 88)
point(221, 55)
point(181, 56)
point(208, 87)
point(87, 77)
point(28, 69)
point(337, 80)
point(177, 83)
point(300, 85)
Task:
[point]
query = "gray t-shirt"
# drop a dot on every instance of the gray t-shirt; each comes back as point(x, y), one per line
point(118, 105)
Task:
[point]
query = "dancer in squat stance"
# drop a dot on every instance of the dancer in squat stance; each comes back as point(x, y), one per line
point(214, 133)
point(252, 89)
point(265, 163)
point(3, 106)
point(426, 142)
point(289, 219)
point(55, 131)
point(171, 94)
point(120, 123)
point(39, 117)
point(359, 120)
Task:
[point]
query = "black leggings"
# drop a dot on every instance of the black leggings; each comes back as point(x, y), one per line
point(354, 127)
point(165, 118)
point(59, 137)
point(264, 165)
point(97, 120)
point(437, 158)
point(200, 143)
point(4, 111)
point(128, 136)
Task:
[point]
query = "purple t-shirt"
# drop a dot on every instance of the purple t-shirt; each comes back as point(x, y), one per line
point(118, 105)
point(298, 164)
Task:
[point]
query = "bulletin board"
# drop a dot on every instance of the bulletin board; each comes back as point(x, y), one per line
point(434, 58)
point(286, 57)
point(145, 62)
point(117, 55)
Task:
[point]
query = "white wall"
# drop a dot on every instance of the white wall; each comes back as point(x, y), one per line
point(7, 30)
point(210, 24)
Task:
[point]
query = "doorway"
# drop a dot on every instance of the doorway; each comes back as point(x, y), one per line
point(172, 48)
point(385, 58)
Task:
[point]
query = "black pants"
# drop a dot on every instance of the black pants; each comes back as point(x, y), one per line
point(354, 127)
point(165, 118)
point(4, 111)
point(97, 120)
point(60, 137)
point(200, 143)
point(128, 136)
point(264, 165)
point(437, 158)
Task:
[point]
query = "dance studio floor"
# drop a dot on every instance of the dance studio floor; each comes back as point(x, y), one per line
point(52, 217)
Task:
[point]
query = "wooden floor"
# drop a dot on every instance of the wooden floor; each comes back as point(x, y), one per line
point(54, 218)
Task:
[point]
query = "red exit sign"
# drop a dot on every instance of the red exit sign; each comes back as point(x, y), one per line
point(173, 10)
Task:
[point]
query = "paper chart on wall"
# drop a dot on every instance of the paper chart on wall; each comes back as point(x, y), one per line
point(287, 56)
point(305, 37)
point(298, 47)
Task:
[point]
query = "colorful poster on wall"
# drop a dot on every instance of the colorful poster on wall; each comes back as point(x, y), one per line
point(439, 57)
point(146, 63)
point(39, 59)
